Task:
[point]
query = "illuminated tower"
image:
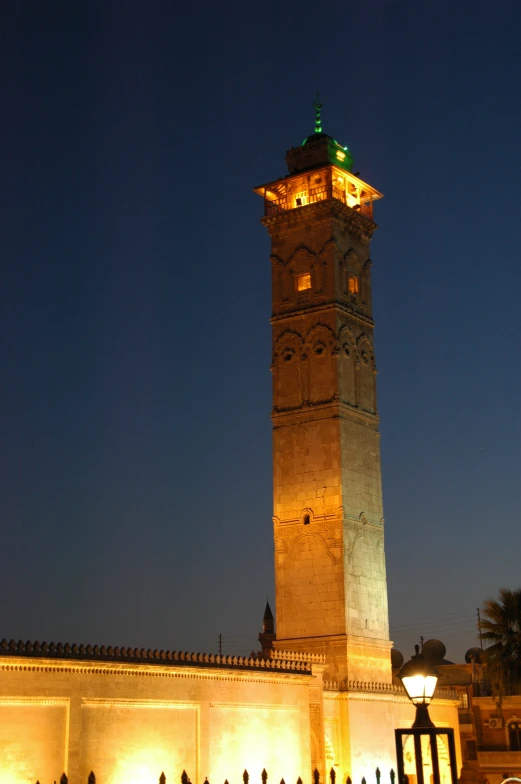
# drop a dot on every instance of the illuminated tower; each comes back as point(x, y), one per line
point(331, 591)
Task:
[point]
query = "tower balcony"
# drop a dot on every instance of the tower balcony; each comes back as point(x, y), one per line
point(294, 192)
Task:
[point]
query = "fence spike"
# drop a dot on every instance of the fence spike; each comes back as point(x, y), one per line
point(316, 776)
point(349, 780)
point(377, 774)
point(245, 776)
point(282, 781)
point(363, 780)
point(392, 775)
point(92, 778)
point(162, 778)
point(299, 780)
point(332, 775)
point(64, 779)
point(264, 776)
point(206, 780)
point(184, 777)
point(226, 781)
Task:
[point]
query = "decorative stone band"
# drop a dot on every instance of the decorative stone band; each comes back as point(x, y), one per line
point(293, 662)
point(296, 656)
point(389, 688)
point(358, 225)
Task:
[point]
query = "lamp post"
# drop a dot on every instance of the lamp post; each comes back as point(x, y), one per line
point(419, 678)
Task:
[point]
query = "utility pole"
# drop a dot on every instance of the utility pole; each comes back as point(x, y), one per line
point(479, 628)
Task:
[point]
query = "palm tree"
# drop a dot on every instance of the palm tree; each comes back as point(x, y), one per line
point(501, 629)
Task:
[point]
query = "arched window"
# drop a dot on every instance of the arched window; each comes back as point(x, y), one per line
point(303, 281)
point(514, 735)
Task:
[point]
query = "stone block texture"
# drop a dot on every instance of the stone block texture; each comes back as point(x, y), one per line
point(331, 591)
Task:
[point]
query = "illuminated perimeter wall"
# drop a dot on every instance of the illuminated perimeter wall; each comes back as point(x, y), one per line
point(129, 721)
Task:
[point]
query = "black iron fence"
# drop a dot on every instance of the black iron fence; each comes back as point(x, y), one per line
point(332, 776)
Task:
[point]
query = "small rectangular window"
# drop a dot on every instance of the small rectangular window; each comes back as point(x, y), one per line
point(352, 284)
point(304, 281)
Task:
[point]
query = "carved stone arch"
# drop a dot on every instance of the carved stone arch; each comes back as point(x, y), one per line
point(365, 351)
point(288, 338)
point(364, 340)
point(352, 261)
point(316, 538)
point(365, 284)
point(347, 358)
point(277, 279)
point(302, 261)
point(325, 266)
point(281, 545)
point(301, 255)
point(320, 332)
point(307, 516)
point(319, 275)
point(319, 348)
point(350, 266)
point(281, 550)
point(330, 243)
point(287, 371)
point(356, 541)
point(298, 249)
point(366, 374)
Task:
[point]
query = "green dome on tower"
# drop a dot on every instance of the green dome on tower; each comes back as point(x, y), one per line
point(336, 154)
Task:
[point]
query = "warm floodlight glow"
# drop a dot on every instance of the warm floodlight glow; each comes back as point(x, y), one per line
point(304, 281)
point(140, 766)
point(301, 199)
point(353, 284)
point(420, 688)
point(419, 678)
point(340, 155)
point(8, 776)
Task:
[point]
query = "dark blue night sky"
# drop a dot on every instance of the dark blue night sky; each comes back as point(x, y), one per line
point(135, 300)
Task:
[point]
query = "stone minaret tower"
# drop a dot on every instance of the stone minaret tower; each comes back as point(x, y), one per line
point(331, 591)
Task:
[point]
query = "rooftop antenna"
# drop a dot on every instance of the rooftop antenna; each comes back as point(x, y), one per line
point(318, 118)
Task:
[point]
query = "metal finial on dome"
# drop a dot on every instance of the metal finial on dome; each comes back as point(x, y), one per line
point(318, 118)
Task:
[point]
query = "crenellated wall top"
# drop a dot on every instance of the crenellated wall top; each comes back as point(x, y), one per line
point(297, 656)
point(294, 662)
point(381, 688)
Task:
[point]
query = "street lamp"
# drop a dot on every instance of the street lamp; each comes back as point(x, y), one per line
point(419, 678)
point(424, 741)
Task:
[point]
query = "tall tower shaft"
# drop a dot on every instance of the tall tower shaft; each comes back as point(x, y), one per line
point(330, 580)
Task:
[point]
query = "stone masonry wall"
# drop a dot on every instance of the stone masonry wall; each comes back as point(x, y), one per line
point(328, 517)
point(129, 722)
